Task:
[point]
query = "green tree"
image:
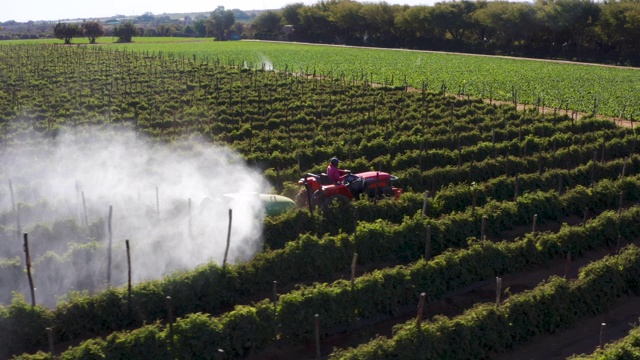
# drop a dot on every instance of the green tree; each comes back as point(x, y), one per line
point(66, 32)
point(575, 20)
point(453, 19)
point(200, 26)
point(92, 30)
point(505, 24)
point(146, 17)
point(268, 23)
point(291, 16)
point(314, 24)
point(619, 27)
point(414, 26)
point(240, 15)
point(346, 17)
point(240, 29)
point(163, 30)
point(219, 22)
point(125, 32)
point(379, 23)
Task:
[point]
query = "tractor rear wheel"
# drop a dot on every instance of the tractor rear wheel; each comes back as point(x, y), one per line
point(317, 198)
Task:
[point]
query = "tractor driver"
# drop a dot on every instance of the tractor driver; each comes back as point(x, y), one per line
point(334, 173)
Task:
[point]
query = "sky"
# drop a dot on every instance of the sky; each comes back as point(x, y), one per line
point(25, 10)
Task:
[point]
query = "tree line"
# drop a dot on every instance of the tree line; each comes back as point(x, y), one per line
point(220, 24)
point(92, 30)
point(583, 30)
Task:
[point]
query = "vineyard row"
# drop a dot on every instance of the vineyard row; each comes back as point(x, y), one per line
point(248, 329)
point(210, 288)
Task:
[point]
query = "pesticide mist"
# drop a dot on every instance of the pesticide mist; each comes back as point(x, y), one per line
point(76, 194)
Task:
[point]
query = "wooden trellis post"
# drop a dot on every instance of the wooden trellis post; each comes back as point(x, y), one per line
point(316, 319)
point(566, 267)
point(190, 220)
point(559, 184)
point(128, 275)
point(109, 248)
point(593, 168)
point(50, 339)
point(84, 209)
point(483, 229)
point(427, 247)
point(275, 295)
point(226, 251)
point(13, 201)
point(18, 225)
point(28, 263)
point(621, 202)
point(353, 269)
point(424, 203)
point(169, 304)
point(421, 303)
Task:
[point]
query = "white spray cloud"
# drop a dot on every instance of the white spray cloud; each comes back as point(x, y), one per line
point(266, 63)
point(166, 200)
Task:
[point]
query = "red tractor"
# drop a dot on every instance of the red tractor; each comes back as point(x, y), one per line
point(319, 190)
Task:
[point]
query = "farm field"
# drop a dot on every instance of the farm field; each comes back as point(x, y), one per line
point(610, 91)
point(542, 201)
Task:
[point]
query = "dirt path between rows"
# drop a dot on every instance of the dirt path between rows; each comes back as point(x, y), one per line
point(571, 113)
point(582, 337)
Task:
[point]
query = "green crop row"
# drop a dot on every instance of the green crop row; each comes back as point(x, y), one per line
point(366, 212)
point(556, 84)
point(270, 117)
point(454, 171)
point(210, 289)
point(395, 211)
point(287, 227)
point(342, 305)
point(457, 167)
point(435, 177)
point(489, 168)
point(555, 304)
point(248, 329)
point(422, 151)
